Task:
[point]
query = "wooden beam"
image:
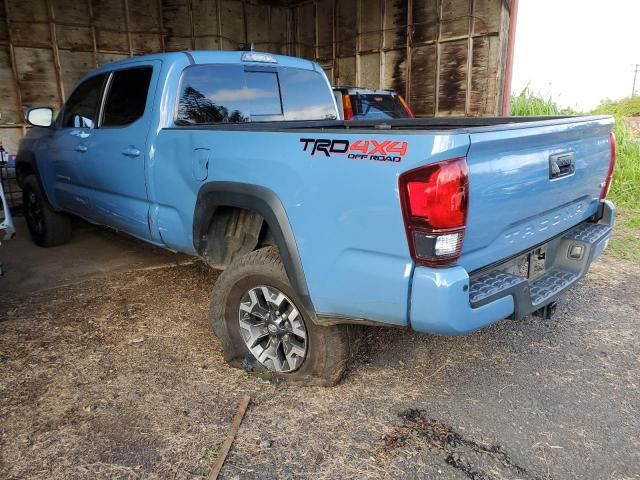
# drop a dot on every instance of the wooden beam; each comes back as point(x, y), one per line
point(94, 42)
point(14, 65)
point(407, 83)
point(191, 31)
point(358, 41)
point(383, 13)
point(161, 24)
point(467, 103)
point(219, 19)
point(316, 39)
point(336, 68)
point(127, 26)
point(246, 22)
point(436, 87)
point(226, 446)
point(54, 48)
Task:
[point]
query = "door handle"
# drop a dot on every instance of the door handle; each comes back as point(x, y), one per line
point(131, 152)
point(81, 148)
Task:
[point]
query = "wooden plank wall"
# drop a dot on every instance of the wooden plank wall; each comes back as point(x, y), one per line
point(422, 48)
point(446, 56)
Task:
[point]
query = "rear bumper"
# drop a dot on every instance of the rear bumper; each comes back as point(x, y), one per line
point(449, 302)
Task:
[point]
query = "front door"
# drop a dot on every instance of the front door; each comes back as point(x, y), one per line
point(117, 150)
point(67, 149)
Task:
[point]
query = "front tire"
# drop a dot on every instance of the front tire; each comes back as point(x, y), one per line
point(260, 319)
point(47, 227)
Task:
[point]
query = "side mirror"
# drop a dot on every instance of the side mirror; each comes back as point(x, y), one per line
point(39, 117)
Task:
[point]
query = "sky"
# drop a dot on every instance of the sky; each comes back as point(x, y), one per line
point(577, 51)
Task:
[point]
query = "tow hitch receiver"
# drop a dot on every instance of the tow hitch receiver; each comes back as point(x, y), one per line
point(547, 311)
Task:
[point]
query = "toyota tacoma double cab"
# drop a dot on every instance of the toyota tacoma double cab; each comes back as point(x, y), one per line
point(441, 225)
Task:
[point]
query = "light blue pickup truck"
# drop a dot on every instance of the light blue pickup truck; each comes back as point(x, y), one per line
point(442, 225)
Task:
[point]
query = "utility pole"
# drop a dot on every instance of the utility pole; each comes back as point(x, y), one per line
point(636, 69)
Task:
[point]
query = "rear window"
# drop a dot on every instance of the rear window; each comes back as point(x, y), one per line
point(213, 94)
point(378, 105)
point(263, 93)
point(234, 93)
point(306, 95)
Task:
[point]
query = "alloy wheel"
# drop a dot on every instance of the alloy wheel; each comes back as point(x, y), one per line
point(273, 329)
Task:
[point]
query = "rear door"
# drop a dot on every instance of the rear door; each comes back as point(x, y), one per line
point(117, 150)
point(530, 182)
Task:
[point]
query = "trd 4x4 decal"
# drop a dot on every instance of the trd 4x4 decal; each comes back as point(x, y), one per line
point(380, 151)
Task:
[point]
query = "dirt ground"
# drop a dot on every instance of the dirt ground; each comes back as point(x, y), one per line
point(119, 377)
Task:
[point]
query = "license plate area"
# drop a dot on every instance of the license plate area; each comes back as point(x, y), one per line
point(530, 265)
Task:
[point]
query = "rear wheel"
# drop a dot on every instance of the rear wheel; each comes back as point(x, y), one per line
point(47, 227)
point(261, 321)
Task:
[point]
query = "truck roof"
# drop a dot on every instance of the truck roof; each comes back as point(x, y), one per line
point(213, 56)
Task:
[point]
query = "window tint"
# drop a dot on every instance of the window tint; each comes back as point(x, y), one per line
point(127, 96)
point(81, 108)
point(213, 94)
point(306, 95)
point(263, 92)
point(378, 106)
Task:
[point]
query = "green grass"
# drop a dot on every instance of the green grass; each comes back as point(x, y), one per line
point(527, 104)
point(625, 190)
point(625, 242)
point(627, 107)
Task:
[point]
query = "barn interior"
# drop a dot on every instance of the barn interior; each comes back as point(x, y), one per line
point(447, 57)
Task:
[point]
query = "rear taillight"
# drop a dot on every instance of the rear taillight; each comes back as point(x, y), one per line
point(406, 106)
point(434, 202)
point(612, 164)
point(346, 106)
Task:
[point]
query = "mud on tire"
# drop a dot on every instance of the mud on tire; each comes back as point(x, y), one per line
point(327, 347)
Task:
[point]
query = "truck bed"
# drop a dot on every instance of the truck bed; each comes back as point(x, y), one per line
point(345, 213)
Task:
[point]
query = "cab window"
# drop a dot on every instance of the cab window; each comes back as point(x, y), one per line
point(126, 97)
point(213, 94)
point(81, 109)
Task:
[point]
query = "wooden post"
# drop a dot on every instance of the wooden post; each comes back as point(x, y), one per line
point(244, 20)
point(219, 19)
point(436, 101)
point(94, 42)
point(14, 65)
point(467, 103)
point(56, 52)
point(161, 23)
point(334, 49)
point(407, 85)
point(191, 30)
point(316, 40)
point(383, 14)
point(127, 25)
point(358, 42)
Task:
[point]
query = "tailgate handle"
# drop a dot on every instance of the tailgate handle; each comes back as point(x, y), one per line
point(561, 165)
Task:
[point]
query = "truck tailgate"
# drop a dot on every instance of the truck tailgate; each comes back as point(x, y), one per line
point(530, 183)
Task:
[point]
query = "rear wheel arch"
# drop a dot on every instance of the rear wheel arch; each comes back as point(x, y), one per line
point(274, 227)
